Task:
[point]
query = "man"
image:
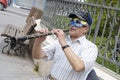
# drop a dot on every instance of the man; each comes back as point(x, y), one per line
point(74, 55)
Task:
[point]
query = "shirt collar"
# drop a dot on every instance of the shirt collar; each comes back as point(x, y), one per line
point(80, 39)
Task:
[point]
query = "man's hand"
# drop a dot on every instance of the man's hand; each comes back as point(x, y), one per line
point(42, 31)
point(37, 52)
point(61, 36)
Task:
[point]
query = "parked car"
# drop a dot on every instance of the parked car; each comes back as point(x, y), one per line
point(3, 4)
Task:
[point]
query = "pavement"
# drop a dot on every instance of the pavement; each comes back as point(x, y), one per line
point(19, 11)
point(14, 67)
point(105, 73)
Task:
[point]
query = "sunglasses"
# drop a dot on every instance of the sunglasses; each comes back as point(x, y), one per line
point(77, 23)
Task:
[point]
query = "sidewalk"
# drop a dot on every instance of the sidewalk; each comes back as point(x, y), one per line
point(19, 11)
point(105, 73)
point(16, 68)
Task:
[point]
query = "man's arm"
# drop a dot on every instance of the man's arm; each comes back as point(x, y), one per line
point(74, 60)
point(37, 52)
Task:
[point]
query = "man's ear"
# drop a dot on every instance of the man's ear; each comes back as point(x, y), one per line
point(86, 29)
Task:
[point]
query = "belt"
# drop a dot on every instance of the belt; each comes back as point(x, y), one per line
point(51, 78)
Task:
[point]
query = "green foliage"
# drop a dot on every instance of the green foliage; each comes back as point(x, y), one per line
point(106, 52)
point(107, 19)
point(108, 64)
point(60, 22)
point(36, 67)
point(112, 3)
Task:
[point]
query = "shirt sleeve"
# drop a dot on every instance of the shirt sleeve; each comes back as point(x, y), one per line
point(89, 56)
point(49, 50)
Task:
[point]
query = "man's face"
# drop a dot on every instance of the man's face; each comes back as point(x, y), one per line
point(77, 27)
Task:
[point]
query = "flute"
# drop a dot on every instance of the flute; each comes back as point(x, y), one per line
point(35, 35)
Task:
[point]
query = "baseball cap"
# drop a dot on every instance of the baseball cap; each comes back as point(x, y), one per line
point(83, 16)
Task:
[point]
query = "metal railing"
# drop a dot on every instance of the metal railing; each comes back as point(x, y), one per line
point(105, 30)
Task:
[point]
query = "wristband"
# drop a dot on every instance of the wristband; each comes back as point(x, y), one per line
point(65, 46)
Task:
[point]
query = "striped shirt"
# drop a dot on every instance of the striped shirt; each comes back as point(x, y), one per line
point(62, 70)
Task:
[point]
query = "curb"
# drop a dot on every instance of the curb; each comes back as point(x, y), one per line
point(105, 74)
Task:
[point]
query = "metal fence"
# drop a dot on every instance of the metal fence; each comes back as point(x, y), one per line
point(105, 30)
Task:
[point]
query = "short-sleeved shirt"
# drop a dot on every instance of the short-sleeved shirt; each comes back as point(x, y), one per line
point(62, 69)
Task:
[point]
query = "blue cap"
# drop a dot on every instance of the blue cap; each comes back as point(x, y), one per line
point(83, 16)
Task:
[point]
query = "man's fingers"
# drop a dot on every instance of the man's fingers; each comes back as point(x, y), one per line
point(57, 30)
point(43, 30)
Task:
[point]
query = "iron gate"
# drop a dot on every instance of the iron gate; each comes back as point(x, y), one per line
point(105, 30)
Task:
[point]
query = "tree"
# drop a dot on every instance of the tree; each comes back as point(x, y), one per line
point(109, 14)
